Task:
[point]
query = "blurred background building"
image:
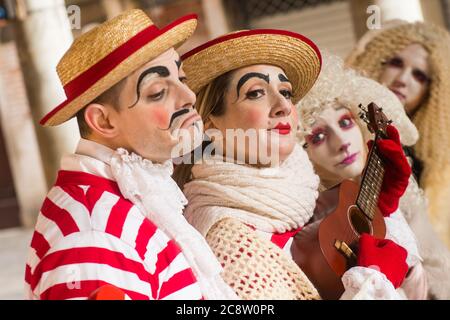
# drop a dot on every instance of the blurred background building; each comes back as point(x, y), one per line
point(34, 34)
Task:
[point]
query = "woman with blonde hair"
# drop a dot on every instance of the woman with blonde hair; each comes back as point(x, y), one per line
point(413, 61)
point(249, 209)
point(335, 139)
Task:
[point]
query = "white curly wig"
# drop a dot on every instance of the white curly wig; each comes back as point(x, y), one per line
point(340, 85)
point(337, 84)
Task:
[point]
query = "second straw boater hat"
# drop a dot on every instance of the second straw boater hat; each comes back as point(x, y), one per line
point(102, 57)
point(297, 55)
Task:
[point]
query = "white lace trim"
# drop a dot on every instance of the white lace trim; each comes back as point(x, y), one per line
point(368, 284)
point(141, 180)
point(398, 230)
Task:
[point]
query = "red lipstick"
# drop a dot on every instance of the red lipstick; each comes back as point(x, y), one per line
point(283, 129)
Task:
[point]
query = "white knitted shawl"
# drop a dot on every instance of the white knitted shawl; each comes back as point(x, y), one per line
point(276, 199)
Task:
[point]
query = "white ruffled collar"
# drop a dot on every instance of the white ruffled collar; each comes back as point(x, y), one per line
point(135, 175)
point(147, 184)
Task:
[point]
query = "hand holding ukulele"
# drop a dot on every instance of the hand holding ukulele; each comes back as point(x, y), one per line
point(385, 255)
point(397, 171)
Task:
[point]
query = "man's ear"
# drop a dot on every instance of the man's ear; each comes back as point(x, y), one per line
point(98, 118)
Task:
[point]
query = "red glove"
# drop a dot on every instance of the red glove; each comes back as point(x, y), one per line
point(397, 171)
point(383, 255)
point(107, 292)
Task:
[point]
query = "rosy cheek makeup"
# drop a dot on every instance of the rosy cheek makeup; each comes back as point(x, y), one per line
point(160, 117)
point(253, 117)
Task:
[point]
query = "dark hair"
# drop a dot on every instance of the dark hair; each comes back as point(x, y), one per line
point(109, 97)
point(210, 102)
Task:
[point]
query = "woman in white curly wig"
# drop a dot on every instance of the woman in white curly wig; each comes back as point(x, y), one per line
point(334, 137)
point(413, 61)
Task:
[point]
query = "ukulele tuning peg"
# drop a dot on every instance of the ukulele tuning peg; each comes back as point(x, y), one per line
point(363, 117)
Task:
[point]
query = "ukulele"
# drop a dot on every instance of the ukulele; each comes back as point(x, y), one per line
point(325, 249)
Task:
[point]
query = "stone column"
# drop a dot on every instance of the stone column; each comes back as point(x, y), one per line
point(43, 34)
point(112, 8)
point(409, 10)
point(215, 18)
point(130, 4)
point(446, 12)
point(20, 137)
point(359, 13)
point(434, 11)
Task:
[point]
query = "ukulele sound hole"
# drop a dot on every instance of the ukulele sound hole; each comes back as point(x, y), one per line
point(359, 221)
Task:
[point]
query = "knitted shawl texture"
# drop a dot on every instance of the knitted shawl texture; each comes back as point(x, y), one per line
point(228, 201)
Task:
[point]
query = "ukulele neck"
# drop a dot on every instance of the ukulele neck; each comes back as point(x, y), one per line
point(371, 182)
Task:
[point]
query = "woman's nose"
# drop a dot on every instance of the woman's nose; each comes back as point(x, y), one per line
point(344, 147)
point(402, 78)
point(185, 97)
point(281, 108)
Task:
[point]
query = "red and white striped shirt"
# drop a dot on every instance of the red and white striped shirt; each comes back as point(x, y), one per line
point(88, 235)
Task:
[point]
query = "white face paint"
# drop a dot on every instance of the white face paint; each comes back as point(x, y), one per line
point(336, 144)
point(407, 74)
point(157, 114)
point(259, 99)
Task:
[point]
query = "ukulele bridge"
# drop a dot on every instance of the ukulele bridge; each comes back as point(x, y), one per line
point(342, 247)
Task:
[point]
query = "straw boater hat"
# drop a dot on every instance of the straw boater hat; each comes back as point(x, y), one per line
point(297, 55)
point(102, 57)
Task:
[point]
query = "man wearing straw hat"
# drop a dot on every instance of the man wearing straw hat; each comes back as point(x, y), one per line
point(114, 216)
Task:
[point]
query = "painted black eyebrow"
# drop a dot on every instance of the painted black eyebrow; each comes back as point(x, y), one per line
point(250, 75)
point(162, 71)
point(283, 78)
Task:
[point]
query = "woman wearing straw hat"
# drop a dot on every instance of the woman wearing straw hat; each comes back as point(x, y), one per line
point(333, 132)
point(114, 216)
point(249, 206)
point(413, 60)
